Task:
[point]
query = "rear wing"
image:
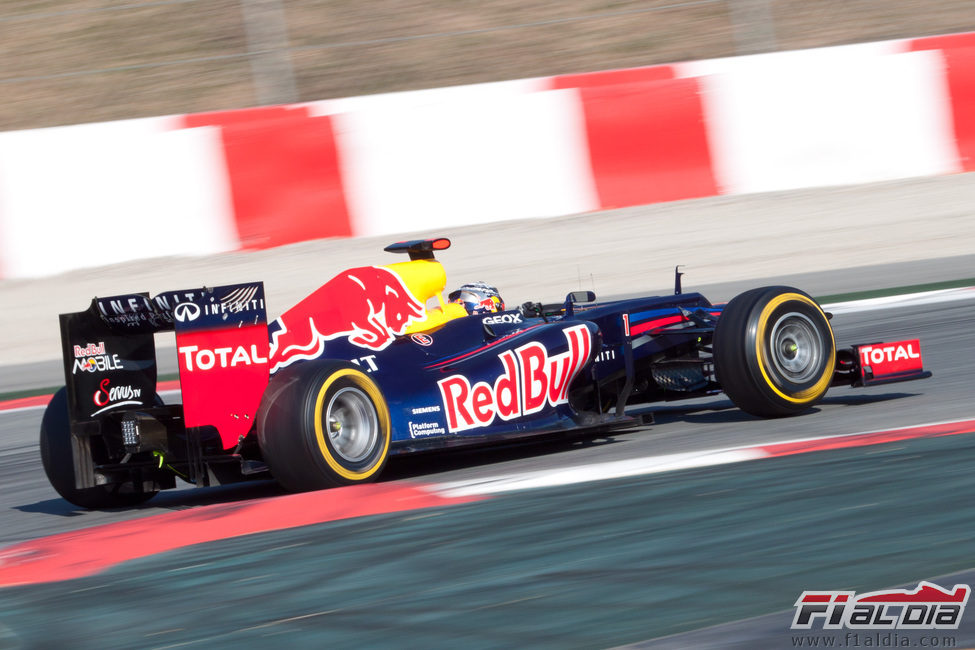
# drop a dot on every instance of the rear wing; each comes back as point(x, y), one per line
point(109, 355)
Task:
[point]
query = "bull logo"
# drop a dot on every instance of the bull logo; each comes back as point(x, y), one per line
point(369, 305)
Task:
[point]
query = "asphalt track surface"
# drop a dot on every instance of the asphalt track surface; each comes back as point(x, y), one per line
point(590, 565)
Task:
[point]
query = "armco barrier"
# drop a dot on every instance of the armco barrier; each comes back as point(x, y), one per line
point(959, 58)
point(283, 168)
point(961, 80)
point(94, 194)
point(837, 117)
point(647, 142)
point(476, 157)
point(613, 77)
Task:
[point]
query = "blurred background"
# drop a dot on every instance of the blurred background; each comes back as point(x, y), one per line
point(732, 543)
point(75, 61)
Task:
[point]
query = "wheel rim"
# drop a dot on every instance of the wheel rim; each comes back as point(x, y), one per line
point(353, 426)
point(796, 348)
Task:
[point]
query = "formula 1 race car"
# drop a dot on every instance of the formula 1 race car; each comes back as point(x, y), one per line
point(375, 362)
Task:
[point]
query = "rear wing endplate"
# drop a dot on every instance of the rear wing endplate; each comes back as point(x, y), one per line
point(109, 354)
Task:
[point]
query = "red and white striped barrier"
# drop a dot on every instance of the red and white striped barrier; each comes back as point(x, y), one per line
point(95, 194)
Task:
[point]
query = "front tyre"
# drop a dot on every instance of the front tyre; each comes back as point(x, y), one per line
point(774, 352)
point(323, 424)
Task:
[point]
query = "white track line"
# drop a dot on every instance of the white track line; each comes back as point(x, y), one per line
point(902, 300)
point(639, 466)
point(595, 472)
point(19, 409)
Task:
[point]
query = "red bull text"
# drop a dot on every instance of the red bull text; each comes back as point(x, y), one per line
point(531, 379)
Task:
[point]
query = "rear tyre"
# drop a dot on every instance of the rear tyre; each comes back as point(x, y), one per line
point(774, 352)
point(58, 461)
point(323, 424)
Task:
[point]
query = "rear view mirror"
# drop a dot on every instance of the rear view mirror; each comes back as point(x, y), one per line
point(574, 297)
point(581, 296)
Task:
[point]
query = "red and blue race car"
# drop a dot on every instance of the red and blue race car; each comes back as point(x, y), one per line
point(377, 362)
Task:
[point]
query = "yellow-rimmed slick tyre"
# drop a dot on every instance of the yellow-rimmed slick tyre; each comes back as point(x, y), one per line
point(774, 352)
point(322, 424)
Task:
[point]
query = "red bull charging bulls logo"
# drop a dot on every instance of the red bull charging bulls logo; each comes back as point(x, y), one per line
point(531, 379)
point(369, 305)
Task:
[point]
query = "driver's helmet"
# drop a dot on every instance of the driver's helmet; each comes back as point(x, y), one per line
point(478, 298)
